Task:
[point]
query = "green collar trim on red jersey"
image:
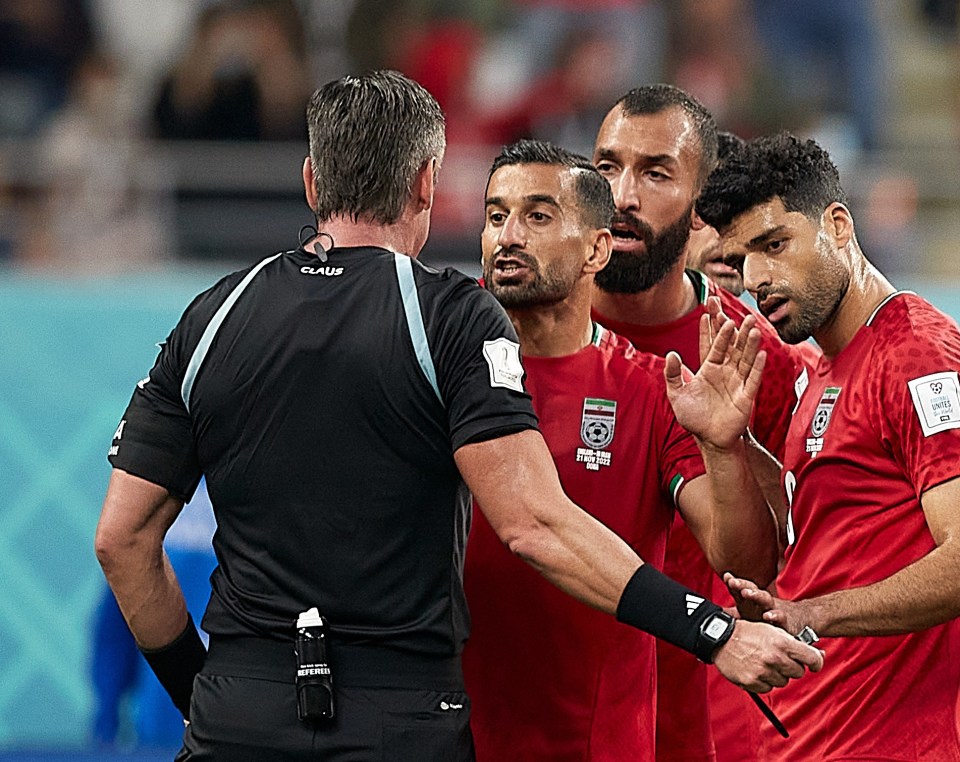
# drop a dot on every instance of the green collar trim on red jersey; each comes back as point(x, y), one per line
point(700, 286)
point(597, 334)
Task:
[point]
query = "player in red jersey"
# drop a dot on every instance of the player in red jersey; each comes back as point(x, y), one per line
point(657, 146)
point(870, 470)
point(550, 680)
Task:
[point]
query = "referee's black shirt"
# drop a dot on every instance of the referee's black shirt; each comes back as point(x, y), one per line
point(295, 386)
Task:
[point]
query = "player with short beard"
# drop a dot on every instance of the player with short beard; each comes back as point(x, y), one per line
point(656, 147)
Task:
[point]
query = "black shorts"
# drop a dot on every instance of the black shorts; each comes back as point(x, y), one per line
point(242, 717)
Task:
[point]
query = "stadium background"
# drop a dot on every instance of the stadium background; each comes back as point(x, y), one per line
point(114, 213)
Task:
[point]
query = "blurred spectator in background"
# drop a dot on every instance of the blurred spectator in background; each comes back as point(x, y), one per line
point(119, 671)
point(100, 198)
point(715, 56)
point(41, 42)
point(890, 204)
point(637, 26)
point(942, 20)
point(565, 104)
point(828, 58)
point(243, 76)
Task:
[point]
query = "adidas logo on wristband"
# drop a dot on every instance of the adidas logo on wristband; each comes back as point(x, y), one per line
point(693, 603)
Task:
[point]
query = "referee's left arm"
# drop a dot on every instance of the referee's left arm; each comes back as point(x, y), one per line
point(135, 518)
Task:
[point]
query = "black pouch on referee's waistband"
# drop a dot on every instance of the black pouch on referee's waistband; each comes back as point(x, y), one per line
point(314, 678)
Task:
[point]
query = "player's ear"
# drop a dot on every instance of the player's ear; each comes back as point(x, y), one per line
point(599, 256)
point(838, 224)
point(695, 222)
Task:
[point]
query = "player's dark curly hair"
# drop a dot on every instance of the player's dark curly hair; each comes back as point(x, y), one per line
point(797, 171)
point(594, 196)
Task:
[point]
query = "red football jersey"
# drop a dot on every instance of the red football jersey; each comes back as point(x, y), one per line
point(550, 678)
point(684, 711)
point(874, 429)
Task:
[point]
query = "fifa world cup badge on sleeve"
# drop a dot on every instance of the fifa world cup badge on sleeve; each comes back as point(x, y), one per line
point(503, 361)
point(596, 431)
point(937, 400)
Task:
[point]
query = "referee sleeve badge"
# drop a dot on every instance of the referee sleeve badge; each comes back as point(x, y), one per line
point(503, 361)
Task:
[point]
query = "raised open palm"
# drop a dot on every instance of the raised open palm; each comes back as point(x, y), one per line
point(715, 403)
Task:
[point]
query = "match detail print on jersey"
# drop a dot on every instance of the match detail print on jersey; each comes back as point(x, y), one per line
point(597, 425)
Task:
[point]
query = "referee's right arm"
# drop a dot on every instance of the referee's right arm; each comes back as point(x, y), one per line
point(515, 482)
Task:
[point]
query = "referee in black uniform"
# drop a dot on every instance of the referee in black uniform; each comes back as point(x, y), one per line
point(340, 399)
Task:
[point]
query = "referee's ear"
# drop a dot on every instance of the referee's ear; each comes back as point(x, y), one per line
point(309, 186)
point(425, 184)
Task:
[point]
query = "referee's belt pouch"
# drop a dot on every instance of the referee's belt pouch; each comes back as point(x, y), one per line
point(314, 679)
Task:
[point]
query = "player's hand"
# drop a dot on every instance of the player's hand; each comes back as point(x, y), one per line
point(757, 604)
point(760, 657)
point(715, 403)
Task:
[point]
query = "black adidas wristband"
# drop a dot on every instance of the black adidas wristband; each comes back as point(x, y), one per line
point(654, 603)
point(176, 664)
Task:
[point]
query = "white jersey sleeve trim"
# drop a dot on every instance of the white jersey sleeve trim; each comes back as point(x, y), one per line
point(210, 332)
point(411, 308)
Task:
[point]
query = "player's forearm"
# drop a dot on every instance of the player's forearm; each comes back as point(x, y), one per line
point(743, 533)
point(766, 470)
point(919, 596)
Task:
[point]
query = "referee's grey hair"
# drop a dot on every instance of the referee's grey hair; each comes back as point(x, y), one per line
point(369, 136)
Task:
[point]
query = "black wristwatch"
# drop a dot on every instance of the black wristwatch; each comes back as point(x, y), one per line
point(715, 630)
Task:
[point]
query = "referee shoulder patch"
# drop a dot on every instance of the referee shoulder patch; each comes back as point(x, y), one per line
point(503, 361)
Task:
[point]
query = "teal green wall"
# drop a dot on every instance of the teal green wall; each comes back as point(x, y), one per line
point(70, 355)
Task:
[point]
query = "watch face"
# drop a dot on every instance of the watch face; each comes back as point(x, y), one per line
point(715, 628)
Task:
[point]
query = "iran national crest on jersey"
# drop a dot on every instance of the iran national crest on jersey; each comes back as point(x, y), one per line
point(821, 419)
point(598, 422)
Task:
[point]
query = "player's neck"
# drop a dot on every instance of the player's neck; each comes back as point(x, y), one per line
point(557, 330)
point(669, 300)
point(867, 289)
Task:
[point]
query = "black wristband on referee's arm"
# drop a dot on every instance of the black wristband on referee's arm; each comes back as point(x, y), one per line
point(654, 603)
point(176, 664)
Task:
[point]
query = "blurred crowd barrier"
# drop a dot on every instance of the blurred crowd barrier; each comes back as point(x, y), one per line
point(136, 134)
point(230, 204)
